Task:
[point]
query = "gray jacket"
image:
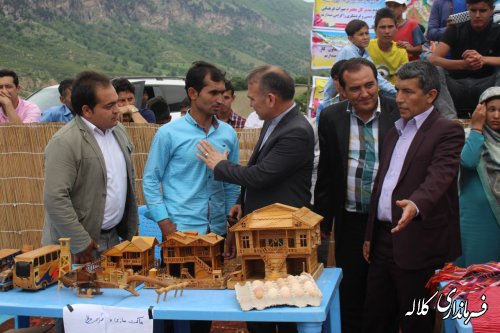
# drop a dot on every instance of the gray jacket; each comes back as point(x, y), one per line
point(75, 186)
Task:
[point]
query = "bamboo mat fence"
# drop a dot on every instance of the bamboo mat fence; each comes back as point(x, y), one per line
point(22, 172)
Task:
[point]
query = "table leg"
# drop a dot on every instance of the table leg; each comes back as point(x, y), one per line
point(22, 321)
point(182, 326)
point(311, 327)
point(333, 319)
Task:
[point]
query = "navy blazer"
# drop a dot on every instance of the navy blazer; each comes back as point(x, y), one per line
point(281, 171)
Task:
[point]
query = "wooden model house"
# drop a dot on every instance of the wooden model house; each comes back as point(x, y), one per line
point(193, 256)
point(277, 240)
point(136, 255)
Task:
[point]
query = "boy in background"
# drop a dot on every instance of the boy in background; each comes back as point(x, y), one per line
point(384, 52)
point(409, 36)
point(359, 39)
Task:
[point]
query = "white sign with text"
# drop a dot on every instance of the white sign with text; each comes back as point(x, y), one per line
point(105, 319)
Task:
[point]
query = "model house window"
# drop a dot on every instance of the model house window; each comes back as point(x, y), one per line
point(275, 242)
point(245, 242)
point(262, 243)
point(291, 242)
point(170, 252)
point(303, 240)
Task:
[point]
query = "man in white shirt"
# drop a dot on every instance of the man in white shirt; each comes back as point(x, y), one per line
point(89, 191)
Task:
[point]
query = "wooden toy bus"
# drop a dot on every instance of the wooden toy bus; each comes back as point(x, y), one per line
point(7, 258)
point(37, 269)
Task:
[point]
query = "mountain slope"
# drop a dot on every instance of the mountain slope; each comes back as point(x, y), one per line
point(48, 40)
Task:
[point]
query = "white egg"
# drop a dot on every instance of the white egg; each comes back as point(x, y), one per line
point(285, 292)
point(258, 292)
point(272, 293)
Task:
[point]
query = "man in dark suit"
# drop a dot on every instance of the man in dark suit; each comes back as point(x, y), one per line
point(281, 165)
point(413, 228)
point(351, 133)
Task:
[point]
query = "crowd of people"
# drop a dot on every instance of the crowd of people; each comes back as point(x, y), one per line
point(403, 188)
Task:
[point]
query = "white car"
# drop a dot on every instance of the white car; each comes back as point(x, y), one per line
point(170, 88)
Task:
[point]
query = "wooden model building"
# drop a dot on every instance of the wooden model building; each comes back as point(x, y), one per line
point(197, 258)
point(277, 240)
point(136, 255)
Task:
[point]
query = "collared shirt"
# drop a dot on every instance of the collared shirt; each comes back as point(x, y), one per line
point(274, 122)
point(407, 131)
point(235, 120)
point(253, 121)
point(116, 175)
point(60, 113)
point(27, 111)
point(362, 160)
point(180, 187)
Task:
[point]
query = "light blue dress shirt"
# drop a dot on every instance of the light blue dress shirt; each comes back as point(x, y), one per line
point(407, 131)
point(60, 113)
point(179, 186)
point(348, 52)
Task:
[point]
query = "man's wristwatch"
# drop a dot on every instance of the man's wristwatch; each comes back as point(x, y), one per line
point(134, 109)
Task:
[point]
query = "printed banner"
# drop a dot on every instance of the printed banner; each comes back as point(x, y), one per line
point(318, 85)
point(335, 14)
point(325, 45)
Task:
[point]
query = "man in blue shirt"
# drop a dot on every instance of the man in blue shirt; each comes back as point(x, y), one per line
point(180, 190)
point(60, 113)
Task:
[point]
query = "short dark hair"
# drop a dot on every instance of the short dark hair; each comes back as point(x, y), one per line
point(383, 13)
point(354, 26)
point(335, 70)
point(229, 86)
point(84, 87)
point(355, 65)
point(160, 108)
point(64, 85)
point(490, 3)
point(195, 76)
point(122, 84)
point(426, 73)
point(9, 72)
point(273, 79)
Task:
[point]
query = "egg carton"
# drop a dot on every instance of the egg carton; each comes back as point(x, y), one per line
point(297, 291)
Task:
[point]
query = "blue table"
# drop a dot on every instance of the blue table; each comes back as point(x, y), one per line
point(193, 305)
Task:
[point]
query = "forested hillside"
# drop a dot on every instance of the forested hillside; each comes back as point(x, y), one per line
point(47, 40)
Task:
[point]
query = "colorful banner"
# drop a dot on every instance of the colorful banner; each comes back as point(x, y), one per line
point(318, 85)
point(325, 44)
point(334, 14)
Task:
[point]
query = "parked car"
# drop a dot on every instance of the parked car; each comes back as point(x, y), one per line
point(170, 88)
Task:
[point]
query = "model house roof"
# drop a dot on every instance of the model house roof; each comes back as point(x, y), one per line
point(137, 244)
point(279, 216)
point(189, 238)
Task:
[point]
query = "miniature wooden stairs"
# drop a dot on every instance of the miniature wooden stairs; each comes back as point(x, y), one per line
point(203, 265)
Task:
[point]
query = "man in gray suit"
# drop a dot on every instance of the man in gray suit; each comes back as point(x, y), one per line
point(281, 165)
point(89, 179)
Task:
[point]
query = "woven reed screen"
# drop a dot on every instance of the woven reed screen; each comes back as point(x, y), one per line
point(22, 172)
